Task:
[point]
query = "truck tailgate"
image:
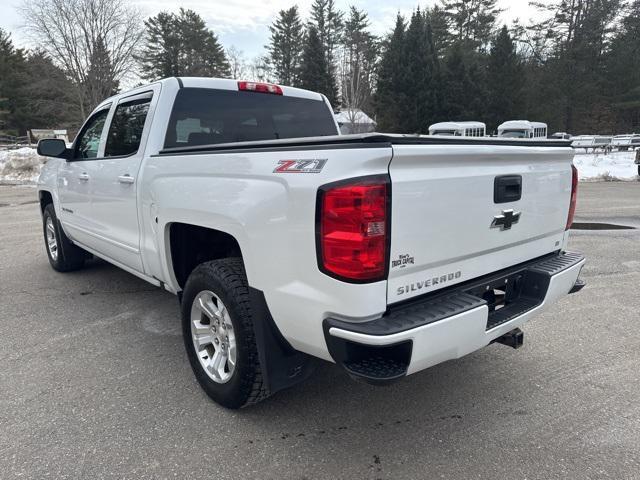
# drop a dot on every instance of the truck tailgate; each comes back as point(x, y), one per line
point(448, 224)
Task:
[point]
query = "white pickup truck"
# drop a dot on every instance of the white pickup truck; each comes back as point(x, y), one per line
point(287, 242)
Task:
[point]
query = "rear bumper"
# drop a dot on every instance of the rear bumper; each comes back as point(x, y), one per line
point(452, 323)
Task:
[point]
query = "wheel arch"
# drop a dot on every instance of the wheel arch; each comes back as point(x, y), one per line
point(45, 197)
point(189, 245)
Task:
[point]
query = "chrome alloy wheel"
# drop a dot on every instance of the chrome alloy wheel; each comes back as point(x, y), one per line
point(213, 337)
point(52, 242)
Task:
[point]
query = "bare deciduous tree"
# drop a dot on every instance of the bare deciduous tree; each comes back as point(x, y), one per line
point(237, 63)
point(93, 41)
point(358, 63)
point(356, 91)
point(258, 70)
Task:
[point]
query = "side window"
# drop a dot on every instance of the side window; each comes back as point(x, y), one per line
point(125, 131)
point(89, 138)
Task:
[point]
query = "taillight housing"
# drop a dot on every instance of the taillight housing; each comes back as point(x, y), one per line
point(574, 196)
point(353, 229)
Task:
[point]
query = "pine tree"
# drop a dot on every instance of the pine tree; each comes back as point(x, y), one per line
point(472, 21)
point(439, 21)
point(201, 54)
point(9, 84)
point(181, 45)
point(456, 79)
point(161, 53)
point(327, 21)
point(13, 81)
point(577, 35)
point(390, 97)
point(46, 95)
point(34, 93)
point(285, 46)
point(464, 92)
point(623, 72)
point(100, 82)
point(422, 82)
point(505, 81)
point(314, 71)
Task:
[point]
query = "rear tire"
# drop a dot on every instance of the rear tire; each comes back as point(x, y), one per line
point(217, 328)
point(63, 255)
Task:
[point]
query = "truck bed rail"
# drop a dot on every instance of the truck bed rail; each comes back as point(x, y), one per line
point(364, 140)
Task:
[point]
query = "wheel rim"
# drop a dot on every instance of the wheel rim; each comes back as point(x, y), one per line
point(52, 242)
point(213, 336)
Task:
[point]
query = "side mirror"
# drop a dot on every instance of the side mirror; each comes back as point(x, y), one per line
point(53, 147)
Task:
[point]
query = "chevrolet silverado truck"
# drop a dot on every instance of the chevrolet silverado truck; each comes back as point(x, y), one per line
point(286, 242)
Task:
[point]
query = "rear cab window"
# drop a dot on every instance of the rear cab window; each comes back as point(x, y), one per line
point(204, 116)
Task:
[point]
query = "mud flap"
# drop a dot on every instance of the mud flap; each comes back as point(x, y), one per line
point(282, 365)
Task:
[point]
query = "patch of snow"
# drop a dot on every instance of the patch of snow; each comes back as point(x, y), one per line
point(20, 165)
point(353, 116)
point(610, 167)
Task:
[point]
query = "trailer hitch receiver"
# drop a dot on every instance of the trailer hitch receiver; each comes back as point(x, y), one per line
point(513, 339)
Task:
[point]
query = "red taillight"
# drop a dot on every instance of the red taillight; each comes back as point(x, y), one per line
point(353, 229)
point(574, 196)
point(259, 87)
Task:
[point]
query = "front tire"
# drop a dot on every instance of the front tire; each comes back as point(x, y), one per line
point(63, 255)
point(217, 328)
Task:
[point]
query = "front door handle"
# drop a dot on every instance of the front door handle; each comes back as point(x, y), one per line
point(84, 176)
point(126, 178)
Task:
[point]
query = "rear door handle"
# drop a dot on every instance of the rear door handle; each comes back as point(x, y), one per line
point(126, 178)
point(84, 176)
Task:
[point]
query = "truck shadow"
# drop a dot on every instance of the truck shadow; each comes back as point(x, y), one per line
point(329, 407)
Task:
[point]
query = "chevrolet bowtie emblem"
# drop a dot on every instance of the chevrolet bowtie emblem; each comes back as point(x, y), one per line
point(505, 220)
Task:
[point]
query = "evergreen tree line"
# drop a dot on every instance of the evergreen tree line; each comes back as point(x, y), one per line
point(33, 91)
point(576, 68)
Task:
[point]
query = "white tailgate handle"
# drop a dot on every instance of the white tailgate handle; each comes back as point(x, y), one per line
point(126, 178)
point(84, 176)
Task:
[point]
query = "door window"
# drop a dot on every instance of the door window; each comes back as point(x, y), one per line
point(89, 138)
point(126, 128)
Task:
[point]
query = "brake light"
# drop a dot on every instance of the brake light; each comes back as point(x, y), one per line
point(353, 229)
point(259, 87)
point(574, 196)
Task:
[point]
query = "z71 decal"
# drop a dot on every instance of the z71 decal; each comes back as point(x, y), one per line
point(300, 166)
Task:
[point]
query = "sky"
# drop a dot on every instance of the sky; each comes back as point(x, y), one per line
point(244, 23)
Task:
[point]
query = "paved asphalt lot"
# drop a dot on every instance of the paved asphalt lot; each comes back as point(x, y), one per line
point(95, 383)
